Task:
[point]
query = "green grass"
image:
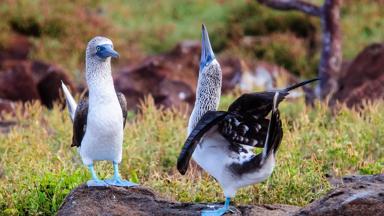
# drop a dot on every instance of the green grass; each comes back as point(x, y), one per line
point(40, 168)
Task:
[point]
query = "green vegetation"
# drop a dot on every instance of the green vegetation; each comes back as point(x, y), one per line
point(40, 168)
point(290, 39)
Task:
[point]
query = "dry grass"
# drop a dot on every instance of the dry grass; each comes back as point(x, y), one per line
point(40, 168)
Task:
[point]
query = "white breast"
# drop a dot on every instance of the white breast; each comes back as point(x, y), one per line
point(103, 138)
point(213, 156)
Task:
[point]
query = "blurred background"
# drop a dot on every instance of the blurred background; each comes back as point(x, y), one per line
point(258, 46)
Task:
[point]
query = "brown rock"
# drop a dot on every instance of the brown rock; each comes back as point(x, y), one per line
point(143, 201)
point(17, 47)
point(170, 78)
point(26, 80)
point(359, 195)
point(16, 82)
point(363, 78)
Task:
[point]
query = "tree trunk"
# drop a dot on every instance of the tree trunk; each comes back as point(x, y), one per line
point(331, 54)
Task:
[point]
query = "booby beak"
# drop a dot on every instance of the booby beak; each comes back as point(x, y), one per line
point(207, 54)
point(106, 50)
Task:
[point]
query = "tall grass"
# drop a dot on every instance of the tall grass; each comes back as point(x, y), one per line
point(40, 168)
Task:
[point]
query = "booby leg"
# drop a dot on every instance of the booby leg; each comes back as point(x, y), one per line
point(116, 180)
point(95, 182)
point(217, 212)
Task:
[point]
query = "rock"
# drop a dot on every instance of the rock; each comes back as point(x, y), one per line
point(27, 80)
point(143, 201)
point(16, 82)
point(170, 77)
point(363, 78)
point(17, 47)
point(358, 195)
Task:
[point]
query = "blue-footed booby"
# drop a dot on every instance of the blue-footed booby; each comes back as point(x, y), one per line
point(221, 142)
point(99, 119)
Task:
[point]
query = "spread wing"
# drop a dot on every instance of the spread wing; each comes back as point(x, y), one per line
point(123, 105)
point(206, 122)
point(80, 122)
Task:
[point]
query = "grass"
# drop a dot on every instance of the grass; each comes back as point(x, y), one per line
point(40, 168)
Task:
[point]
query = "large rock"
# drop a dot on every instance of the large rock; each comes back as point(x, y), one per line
point(143, 201)
point(357, 196)
point(27, 80)
point(363, 78)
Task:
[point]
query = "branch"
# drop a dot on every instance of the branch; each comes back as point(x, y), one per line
point(299, 5)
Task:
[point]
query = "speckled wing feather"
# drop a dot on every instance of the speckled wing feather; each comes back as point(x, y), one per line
point(80, 122)
point(123, 105)
point(247, 123)
point(244, 130)
point(272, 142)
point(206, 122)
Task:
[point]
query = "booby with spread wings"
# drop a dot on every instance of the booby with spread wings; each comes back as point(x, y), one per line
point(221, 142)
point(99, 118)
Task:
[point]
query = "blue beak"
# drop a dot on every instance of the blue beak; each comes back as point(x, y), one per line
point(106, 50)
point(207, 55)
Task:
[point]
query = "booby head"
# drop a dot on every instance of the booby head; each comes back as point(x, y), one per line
point(101, 48)
point(207, 56)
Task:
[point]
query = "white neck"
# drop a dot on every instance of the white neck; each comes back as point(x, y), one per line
point(99, 79)
point(208, 93)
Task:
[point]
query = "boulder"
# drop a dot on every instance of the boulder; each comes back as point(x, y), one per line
point(143, 201)
point(27, 80)
point(363, 78)
point(355, 196)
point(17, 47)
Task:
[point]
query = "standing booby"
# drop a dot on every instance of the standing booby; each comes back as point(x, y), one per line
point(99, 119)
point(222, 142)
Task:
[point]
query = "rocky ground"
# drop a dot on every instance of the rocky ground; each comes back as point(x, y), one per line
point(352, 195)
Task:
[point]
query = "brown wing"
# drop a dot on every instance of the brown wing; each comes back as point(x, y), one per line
point(80, 122)
point(123, 105)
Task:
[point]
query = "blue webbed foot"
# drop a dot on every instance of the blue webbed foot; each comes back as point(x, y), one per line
point(96, 183)
point(217, 212)
point(120, 182)
point(116, 180)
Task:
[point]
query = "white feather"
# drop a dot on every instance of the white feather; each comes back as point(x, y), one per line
point(70, 101)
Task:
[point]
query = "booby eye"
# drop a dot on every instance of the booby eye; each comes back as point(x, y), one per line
point(98, 48)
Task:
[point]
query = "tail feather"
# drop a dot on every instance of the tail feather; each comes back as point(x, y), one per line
point(300, 84)
point(70, 101)
point(275, 132)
